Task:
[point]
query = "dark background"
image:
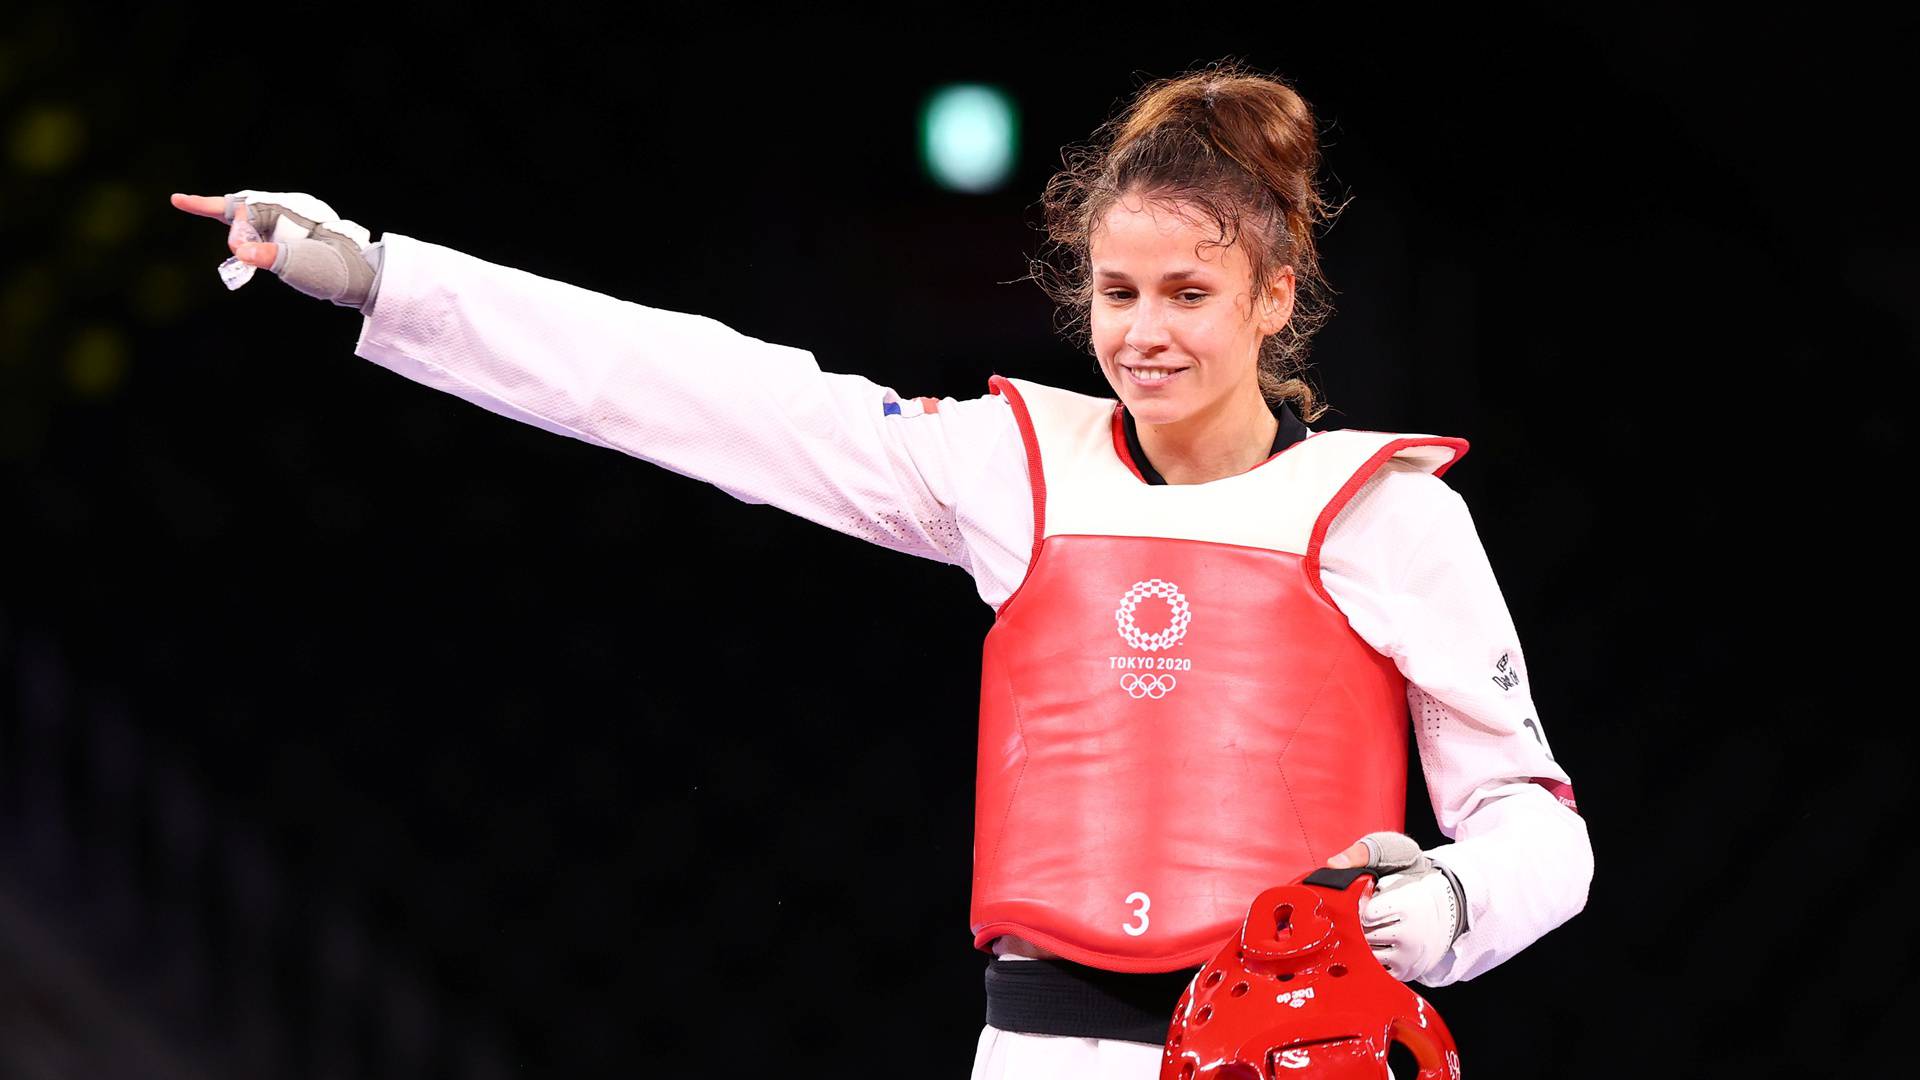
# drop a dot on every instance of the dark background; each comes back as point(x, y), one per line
point(347, 729)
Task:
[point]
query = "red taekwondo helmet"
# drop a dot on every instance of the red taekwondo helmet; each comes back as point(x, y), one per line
point(1299, 994)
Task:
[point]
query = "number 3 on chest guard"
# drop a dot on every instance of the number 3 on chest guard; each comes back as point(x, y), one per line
point(1139, 913)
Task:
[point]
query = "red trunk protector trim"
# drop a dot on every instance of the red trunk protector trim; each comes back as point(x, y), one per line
point(1036, 476)
point(1120, 442)
point(1347, 490)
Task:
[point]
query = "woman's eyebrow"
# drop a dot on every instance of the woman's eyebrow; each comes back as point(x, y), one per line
point(1171, 275)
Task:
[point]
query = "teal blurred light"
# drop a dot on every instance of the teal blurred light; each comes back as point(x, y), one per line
point(969, 137)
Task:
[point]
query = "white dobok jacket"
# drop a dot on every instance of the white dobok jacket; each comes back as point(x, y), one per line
point(765, 424)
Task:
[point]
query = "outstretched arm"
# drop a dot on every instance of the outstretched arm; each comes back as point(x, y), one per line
point(760, 421)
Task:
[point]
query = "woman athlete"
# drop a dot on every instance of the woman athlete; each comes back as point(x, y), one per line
point(1212, 621)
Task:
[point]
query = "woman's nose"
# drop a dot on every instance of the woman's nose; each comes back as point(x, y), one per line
point(1148, 331)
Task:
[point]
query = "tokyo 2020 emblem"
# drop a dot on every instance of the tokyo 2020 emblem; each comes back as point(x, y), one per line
point(1164, 639)
point(1156, 684)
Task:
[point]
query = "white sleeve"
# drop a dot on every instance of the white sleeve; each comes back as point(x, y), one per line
point(1406, 565)
point(760, 421)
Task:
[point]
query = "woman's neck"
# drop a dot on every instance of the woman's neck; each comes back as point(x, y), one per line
point(1203, 448)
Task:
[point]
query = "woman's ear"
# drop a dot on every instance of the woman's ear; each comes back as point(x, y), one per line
point(1276, 303)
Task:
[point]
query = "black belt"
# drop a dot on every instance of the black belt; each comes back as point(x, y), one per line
point(1059, 997)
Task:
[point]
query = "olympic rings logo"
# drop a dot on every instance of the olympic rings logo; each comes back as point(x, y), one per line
point(1152, 686)
point(1164, 639)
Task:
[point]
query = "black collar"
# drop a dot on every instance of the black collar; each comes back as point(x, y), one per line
point(1292, 430)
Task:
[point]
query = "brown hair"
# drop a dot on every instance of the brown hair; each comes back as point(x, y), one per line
point(1236, 145)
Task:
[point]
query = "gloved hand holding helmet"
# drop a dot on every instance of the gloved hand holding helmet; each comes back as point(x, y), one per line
point(1417, 908)
point(1294, 995)
point(297, 237)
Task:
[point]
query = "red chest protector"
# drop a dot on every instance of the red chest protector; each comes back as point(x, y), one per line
point(1173, 713)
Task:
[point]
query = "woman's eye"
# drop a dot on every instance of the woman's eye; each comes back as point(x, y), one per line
point(1192, 296)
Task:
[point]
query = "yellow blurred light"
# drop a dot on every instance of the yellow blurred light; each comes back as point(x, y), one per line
point(109, 214)
point(46, 138)
point(97, 361)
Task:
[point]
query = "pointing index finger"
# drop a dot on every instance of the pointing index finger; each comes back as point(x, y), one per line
point(213, 206)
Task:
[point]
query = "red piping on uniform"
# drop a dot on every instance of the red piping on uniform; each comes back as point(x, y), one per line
point(1347, 490)
point(1442, 470)
point(1036, 476)
point(1120, 442)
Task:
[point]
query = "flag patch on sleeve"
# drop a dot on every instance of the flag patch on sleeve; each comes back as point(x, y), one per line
point(892, 405)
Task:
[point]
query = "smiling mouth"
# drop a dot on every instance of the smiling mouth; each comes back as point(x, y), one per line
point(1147, 375)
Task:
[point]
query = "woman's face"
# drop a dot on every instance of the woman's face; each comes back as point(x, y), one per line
point(1171, 321)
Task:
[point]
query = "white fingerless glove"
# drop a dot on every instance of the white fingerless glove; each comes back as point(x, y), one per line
point(1417, 909)
point(317, 253)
